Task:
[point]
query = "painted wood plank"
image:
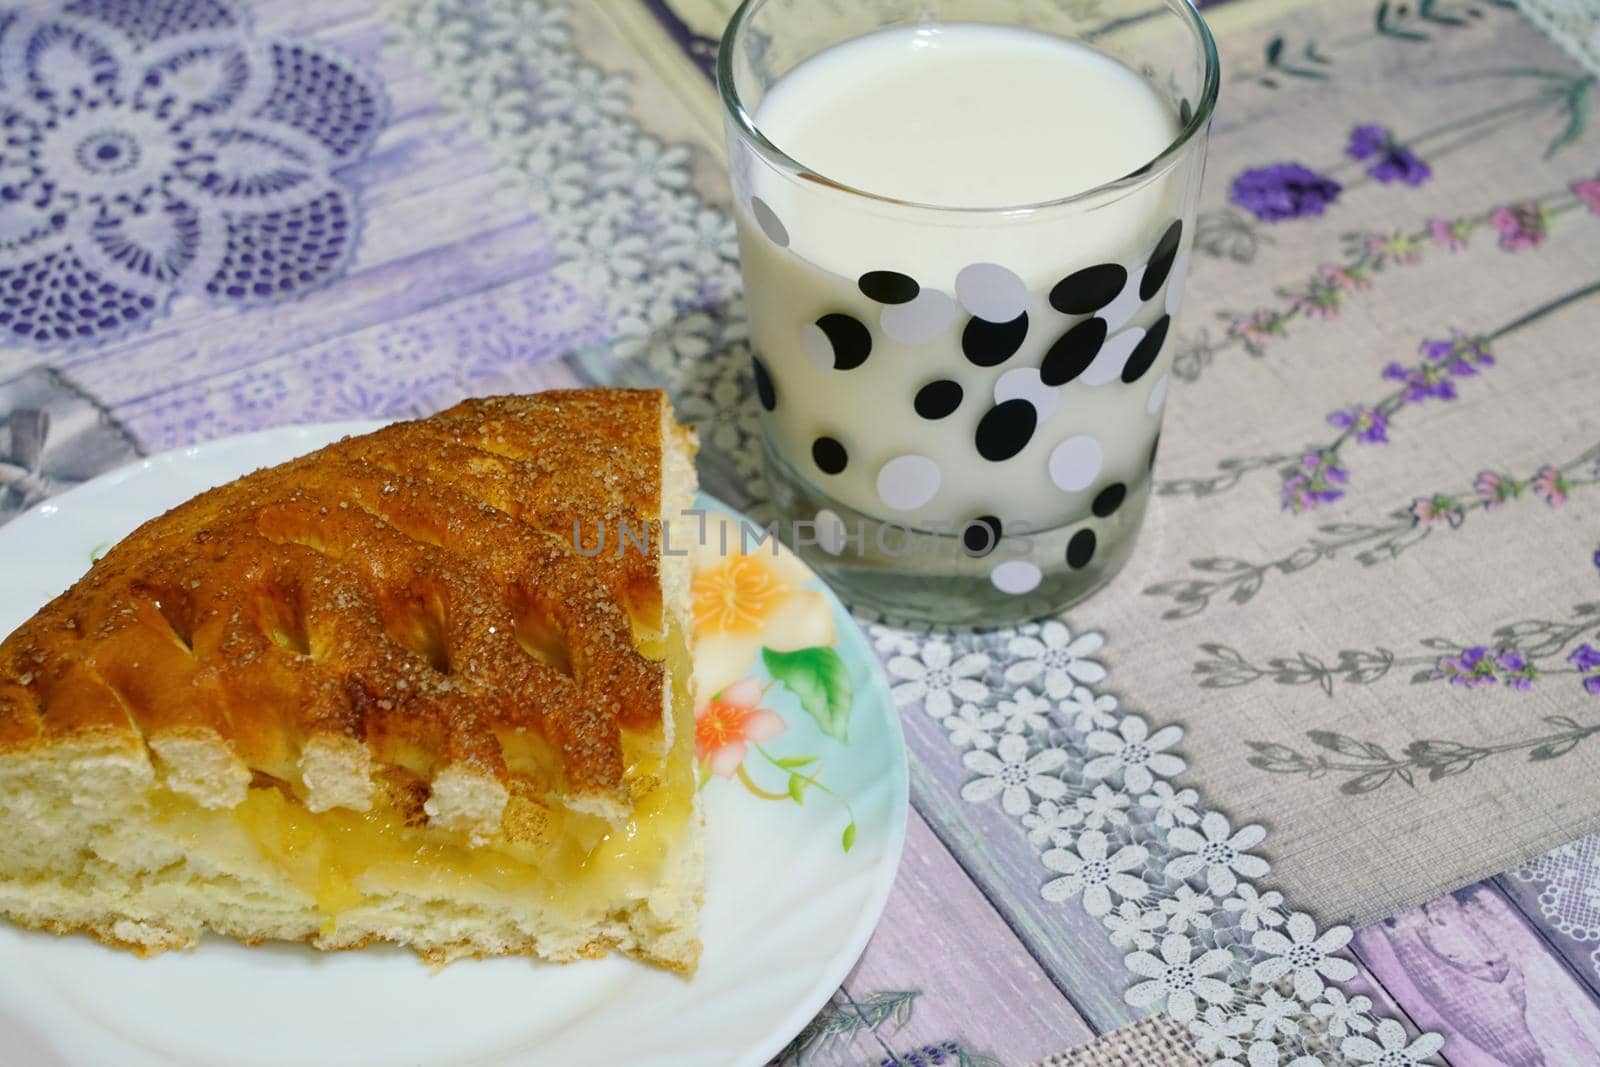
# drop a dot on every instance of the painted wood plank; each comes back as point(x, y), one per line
point(1070, 946)
point(291, 16)
point(1583, 958)
point(976, 982)
point(1469, 966)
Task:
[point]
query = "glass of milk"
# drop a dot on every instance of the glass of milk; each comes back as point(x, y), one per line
point(964, 229)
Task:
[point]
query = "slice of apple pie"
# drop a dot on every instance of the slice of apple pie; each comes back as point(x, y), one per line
point(377, 694)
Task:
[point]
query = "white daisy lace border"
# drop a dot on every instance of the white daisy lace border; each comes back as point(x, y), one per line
point(620, 207)
point(1177, 886)
point(1171, 882)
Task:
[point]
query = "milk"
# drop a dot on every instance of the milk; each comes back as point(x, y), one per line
point(936, 353)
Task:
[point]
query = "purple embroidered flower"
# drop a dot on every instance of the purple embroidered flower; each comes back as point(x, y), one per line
point(1459, 355)
point(1320, 300)
point(1520, 225)
point(1315, 483)
point(1588, 191)
point(1432, 510)
point(1495, 489)
point(1391, 161)
point(1421, 383)
point(1366, 141)
point(1551, 487)
point(1370, 426)
point(1437, 351)
point(1587, 659)
point(1353, 278)
point(1395, 248)
point(1400, 164)
point(1257, 330)
point(1472, 668)
point(1515, 669)
point(1283, 191)
point(1448, 234)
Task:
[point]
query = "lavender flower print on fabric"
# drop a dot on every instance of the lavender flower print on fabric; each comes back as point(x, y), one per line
point(1586, 659)
point(155, 149)
point(1283, 191)
point(1520, 225)
point(1318, 480)
point(1389, 161)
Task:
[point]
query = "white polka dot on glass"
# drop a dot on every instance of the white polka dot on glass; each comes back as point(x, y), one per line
point(830, 532)
point(991, 292)
point(816, 346)
point(1157, 397)
point(1112, 357)
point(1127, 302)
point(1024, 383)
point(1075, 463)
point(905, 483)
point(920, 320)
point(1175, 280)
point(1016, 576)
point(769, 222)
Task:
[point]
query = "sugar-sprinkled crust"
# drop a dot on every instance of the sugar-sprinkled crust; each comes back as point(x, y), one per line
point(410, 598)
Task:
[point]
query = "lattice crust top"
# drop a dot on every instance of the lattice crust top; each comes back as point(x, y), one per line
point(416, 591)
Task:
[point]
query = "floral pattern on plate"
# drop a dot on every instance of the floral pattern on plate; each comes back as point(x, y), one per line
point(764, 641)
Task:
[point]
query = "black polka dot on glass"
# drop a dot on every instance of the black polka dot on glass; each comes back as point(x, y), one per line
point(889, 286)
point(1145, 352)
point(980, 536)
point(764, 390)
point(938, 399)
point(989, 344)
point(829, 455)
point(1006, 429)
point(1072, 353)
point(1185, 111)
point(1109, 499)
point(1155, 444)
point(1088, 290)
point(850, 339)
point(1080, 550)
point(1160, 265)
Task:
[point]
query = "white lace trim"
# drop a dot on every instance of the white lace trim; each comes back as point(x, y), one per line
point(1173, 882)
point(1572, 24)
point(1176, 885)
point(1568, 880)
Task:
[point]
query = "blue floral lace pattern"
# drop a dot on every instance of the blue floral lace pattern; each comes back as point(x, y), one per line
point(155, 148)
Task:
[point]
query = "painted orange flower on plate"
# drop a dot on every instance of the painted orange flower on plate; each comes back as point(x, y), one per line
point(725, 728)
point(737, 596)
point(746, 597)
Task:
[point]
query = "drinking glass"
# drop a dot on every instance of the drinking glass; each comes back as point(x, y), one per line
point(961, 406)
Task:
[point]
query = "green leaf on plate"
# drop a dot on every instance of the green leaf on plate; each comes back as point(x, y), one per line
point(818, 679)
point(790, 763)
point(797, 788)
point(849, 837)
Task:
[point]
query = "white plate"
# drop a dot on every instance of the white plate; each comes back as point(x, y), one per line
point(787, 909)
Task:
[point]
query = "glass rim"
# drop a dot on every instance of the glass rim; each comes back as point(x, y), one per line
point(1158, 164)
